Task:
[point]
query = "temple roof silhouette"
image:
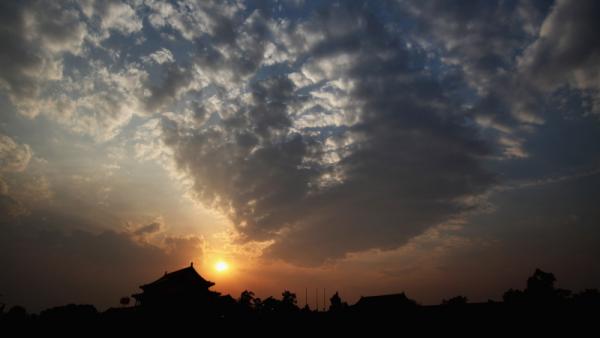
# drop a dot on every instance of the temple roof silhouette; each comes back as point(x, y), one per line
point(187, 275)
point(184, 285)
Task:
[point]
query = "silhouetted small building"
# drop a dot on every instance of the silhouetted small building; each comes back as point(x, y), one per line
point(183, 287)
point(384, 303)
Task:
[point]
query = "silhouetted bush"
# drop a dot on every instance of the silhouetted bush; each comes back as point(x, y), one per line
point(16, 314)
point(70, 313)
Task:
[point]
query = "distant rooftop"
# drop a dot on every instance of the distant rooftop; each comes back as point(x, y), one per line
point(187, 275)
point(396, 299)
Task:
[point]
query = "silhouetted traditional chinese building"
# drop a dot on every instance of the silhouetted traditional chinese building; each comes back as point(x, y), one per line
point(182, 287)
point(384, 303)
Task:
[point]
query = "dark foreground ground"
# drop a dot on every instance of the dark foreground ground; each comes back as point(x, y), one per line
point(473, 319)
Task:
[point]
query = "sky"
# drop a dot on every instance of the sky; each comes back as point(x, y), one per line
point(367, 147)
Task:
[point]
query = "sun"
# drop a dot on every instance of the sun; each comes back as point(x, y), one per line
point(221, 266)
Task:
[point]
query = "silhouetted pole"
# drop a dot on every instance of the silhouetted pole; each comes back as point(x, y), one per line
point(324, 300)
point(306, 298)
point(317, 299)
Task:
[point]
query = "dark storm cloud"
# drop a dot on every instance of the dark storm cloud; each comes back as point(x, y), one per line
point(413, 162)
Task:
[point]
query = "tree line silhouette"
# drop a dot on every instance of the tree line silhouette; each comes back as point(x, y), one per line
point(169, 303)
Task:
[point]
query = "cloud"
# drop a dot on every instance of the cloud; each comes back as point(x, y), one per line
point(353, 132)
point(55, 28)
point(161, 56)
point(194, 19)
point(408, 159)
point(10, 208)
point(80, 266)
point(18, 186)
point(93, 91)
point(567, 50)
point(393, 186)
point(34, 35)
point(14, 157)
point(175, 83)
point(98, 103)
point(280, 121)
point(108, 17)
point(118, 16)
point(480, 38)
point(478, 43)
point(148, 229)
point(38, 77)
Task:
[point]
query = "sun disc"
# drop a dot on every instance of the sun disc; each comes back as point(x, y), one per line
point(221, 266)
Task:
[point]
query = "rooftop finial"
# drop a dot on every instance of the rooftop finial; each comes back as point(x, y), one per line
point(192, 264)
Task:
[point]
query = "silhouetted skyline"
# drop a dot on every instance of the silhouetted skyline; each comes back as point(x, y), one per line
point(184, 297)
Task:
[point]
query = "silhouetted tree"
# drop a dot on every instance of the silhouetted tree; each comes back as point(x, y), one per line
point(270, 305)
point(124, 301)
point(289, 298)
point(513, 296)
point(336, 303)
point(455, 301)
point(541, 282)
point(288, 301)
point(540, 291)
point(246, 299)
